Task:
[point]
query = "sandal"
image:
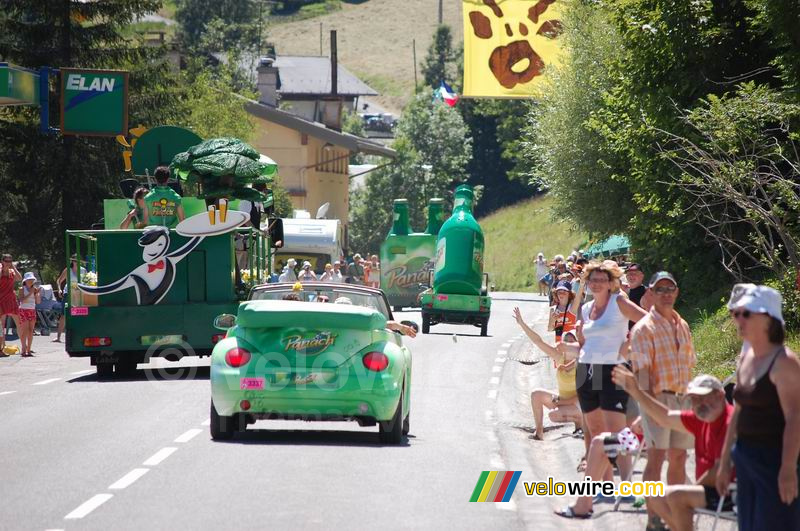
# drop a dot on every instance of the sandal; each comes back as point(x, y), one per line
point(56, 340)
point(582, 465)
point(570, 513)
point(535, 437)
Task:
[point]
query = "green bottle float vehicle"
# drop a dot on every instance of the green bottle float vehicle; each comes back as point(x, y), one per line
point(460, 291)
point(406, 257)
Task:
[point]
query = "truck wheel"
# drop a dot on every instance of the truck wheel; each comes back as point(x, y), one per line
point(126, 369)
point(407, 424)
point(398, 308)
point(221, 427)
point(391, 431)
point(484, 327)
point(105, 371)
point(426, 324)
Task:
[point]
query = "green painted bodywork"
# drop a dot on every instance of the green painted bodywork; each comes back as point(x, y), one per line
point(322, 379)
point(459, 249)
point(203, 289)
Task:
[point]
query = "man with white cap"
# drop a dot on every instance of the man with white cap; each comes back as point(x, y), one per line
point(288, 274)
point(662, 356)
point(708, 422)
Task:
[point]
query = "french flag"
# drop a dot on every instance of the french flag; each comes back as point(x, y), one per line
point(448, 94)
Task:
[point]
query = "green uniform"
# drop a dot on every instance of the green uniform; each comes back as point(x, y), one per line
point(162, 206)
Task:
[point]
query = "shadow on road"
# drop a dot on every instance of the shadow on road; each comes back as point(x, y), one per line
point(159, 374)
point(311, 438)
point(459, 335)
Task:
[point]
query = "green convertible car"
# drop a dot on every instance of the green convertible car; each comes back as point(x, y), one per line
point(313, 352)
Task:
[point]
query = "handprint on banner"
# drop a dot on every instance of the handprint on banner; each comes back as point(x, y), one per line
point(516, 62)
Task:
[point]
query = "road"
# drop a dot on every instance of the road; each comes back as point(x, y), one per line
point(78, 453)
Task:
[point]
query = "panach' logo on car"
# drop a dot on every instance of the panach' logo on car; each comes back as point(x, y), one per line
point(310, 346)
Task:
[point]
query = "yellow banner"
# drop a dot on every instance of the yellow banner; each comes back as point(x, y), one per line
point(508, 45)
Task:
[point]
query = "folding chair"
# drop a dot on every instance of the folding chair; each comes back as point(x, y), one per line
point(636, 457)
point(719, 514)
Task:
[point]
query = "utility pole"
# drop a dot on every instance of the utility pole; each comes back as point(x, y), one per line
point(320, 39)
point(441, 17)
point(414, 49)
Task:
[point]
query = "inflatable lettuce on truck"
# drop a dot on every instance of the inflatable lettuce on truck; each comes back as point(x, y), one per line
point(226, 168)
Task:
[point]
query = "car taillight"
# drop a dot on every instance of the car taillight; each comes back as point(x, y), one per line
point(216, 338)
point(375, 361)
point(236, 357)
point(429, 305)
point(96, 341)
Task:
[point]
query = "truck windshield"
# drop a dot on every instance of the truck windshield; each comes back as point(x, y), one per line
point(318, 261)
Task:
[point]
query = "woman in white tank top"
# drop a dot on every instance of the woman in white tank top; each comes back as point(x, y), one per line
point(602, 333)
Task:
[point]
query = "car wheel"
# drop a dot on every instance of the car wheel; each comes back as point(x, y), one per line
point(485, 327)
point(426, 323)
point(222, 428)
point(407, 424)
point(391, 431)
point(105, 371)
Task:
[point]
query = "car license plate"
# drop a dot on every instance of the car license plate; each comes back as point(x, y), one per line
point(250, 384)
point(162, 340)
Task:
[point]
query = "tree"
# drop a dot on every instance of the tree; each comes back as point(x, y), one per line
point(214, 109)
point(57, 182)
point(433, 150)
point(219, 25)
point(437, 66)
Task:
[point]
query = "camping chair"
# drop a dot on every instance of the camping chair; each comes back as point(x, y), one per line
point(719, 514)
point(636, 457)
point(128, 186)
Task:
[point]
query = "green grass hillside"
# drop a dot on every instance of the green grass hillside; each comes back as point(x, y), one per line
point(516, 234)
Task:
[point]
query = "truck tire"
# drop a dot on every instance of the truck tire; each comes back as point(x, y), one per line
point(126, 369)
point(398, 308)
point(485, 327)
point(426, 323)
point(222, 428)
point(391, 431)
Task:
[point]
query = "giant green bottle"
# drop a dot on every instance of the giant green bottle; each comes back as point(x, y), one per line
point(435, 216)
point(459, 249)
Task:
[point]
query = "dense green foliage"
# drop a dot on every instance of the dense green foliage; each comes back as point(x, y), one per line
point(440, 62)
point(433, 150)
point(219, 25)
point(597, 140)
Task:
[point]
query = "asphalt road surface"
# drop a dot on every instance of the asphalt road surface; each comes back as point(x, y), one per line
point(78, 453)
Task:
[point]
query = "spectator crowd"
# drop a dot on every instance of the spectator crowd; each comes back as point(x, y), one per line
point(624, 360)
point(356, 271)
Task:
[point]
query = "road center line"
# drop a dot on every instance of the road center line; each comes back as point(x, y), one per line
point(505, 345)
point(160, 456)
point(6, 392)
point(45, 382)
point(494, 380)
point(502, 352)
point(129, 478)
point(85, 371)
point(497, 368)
point(88, 506)
point(499, 360)
point(206, 422)
point(188, 436)
point(492, 394)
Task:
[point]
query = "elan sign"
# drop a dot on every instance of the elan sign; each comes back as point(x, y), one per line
point(94, 102)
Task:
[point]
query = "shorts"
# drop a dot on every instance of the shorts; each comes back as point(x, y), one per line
point(27, 315)
point(662, 438)
point(712, 499)
point(597, 390)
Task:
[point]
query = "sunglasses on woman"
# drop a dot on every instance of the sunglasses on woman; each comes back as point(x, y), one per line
point(741, 313)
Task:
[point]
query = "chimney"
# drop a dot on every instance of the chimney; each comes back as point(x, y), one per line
point(267, 81)
point(334, 65)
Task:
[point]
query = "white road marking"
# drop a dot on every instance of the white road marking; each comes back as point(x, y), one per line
point(88, 506)
point(502, 352)
point(489, 414)
point(491, 436)
point(494, 380)
point(506, 506)
point(129, 478)
point(86, 371)
point(496, 462)
point(206, 422)
point(6, 392)
point(497, 368)
point(159, 456)
point(499, 360)
point(45, 382)
point(492, 394)
point(505, 345)
point(188, 436)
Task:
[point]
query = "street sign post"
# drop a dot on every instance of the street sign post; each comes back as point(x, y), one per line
point(94, 102)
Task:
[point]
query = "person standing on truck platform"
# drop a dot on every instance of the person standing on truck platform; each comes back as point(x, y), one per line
point(162, 206)
point(136, 216)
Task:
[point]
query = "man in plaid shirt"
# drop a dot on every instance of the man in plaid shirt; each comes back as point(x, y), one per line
point(662, 356)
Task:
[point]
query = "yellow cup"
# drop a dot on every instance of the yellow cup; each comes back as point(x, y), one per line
point(223, 210)
point(212, 215)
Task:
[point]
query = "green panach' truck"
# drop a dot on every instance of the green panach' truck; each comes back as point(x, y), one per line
point(460, 292)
